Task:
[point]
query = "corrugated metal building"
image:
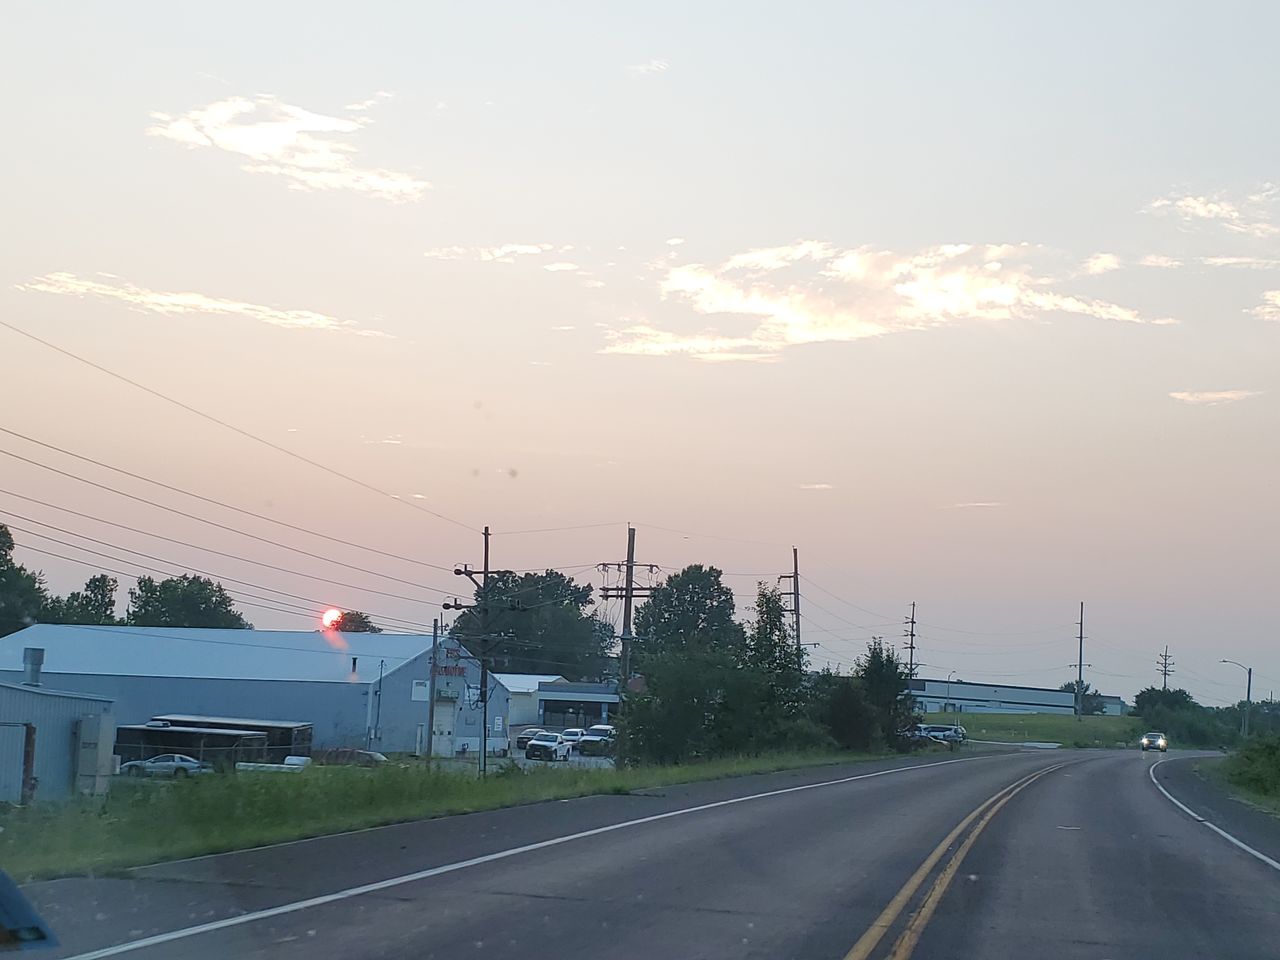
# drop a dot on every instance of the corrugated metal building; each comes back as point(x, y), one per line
point(53, 744)
point(936, 696)
point(358, 689)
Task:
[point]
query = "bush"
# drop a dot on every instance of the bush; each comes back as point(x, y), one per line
point(1256, 766)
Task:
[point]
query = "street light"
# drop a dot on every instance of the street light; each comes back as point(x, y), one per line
point(949, 676)
point(1248, 695)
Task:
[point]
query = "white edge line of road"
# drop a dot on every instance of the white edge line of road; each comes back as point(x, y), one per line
point(298, 905)
point(1258, 854)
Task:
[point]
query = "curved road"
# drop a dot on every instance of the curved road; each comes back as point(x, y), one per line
point(1055, 854)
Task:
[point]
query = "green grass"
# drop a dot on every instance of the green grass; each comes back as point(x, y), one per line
point(1047, 727)
point(147, 822)
point(1253, 772)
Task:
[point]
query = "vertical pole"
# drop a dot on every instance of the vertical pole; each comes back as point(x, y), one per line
point(628, 598)
point(377, 712)
point(431, 687)
point(911, 641)
point(1248, 700)
point(795, 595)
point(484, 660)
point(1080, 669)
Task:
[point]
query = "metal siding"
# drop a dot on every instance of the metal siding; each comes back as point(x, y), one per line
point(55, 718)
point(336, 709)
point(13, 738)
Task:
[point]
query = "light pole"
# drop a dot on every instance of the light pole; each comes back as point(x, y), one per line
point(1248, 695)
point(949, 676)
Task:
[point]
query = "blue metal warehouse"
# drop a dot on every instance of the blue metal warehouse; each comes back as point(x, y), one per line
point(358, 689)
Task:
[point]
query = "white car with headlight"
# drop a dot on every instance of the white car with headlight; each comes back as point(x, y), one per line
point(1154, 741)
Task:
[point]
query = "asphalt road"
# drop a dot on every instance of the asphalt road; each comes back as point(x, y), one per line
point(1054, 854)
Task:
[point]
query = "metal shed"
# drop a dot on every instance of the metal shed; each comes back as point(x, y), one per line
point(53, 744)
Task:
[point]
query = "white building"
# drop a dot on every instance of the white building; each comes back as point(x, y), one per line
point(937, 696)
point(523, 688)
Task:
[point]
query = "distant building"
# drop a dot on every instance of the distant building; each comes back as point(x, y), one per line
point(523, 688)
point(368, 690)
point(562, 704)
point(53, 744)
point(1114, 707)
point(937, 696)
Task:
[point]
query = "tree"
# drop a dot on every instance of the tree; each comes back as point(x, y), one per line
point(691, 607)
point(840, 706)
point(353, 621)
point(95, 604)
point(185, 601)
point(1152, 697)
point(886, 685)
point(770, 649)
point(538, 623)
point(22, 593)
point(1090, 699)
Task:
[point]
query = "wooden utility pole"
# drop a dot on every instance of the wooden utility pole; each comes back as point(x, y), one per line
point(1164, 664)
point(910, 624)
point(1080, 668)
point(628, 602)
point(431, 686)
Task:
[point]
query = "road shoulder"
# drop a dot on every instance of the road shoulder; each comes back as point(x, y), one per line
point(1195, 782)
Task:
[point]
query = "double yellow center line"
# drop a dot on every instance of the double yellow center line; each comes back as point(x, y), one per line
point(910, 936)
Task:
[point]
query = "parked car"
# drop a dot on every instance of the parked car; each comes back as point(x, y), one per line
point(546, 745)
point(951, 733)
point(598, 741)
point(523, 738)
point(351, 757)
point(572, 736)
point(1154, 741)
point(175, 765)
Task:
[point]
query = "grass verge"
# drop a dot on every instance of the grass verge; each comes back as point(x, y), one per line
point(147, 822)
point(1046, 728)
point(1252, 773)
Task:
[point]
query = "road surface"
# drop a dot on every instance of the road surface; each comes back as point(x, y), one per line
point(1047, 854)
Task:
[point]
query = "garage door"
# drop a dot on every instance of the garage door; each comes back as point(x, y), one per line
point(13, 738)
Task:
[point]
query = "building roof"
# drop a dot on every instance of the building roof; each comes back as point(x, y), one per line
point(191, 719)
point(526, 682)
point(958, 686)
point(44, 691)
point(224, 654)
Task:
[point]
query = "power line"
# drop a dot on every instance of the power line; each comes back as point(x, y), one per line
point(169, 573)
point(708, 536)
point(579, 526)
point(193, 546)
point(234, 429)
point(214, 523)
point(219, 503)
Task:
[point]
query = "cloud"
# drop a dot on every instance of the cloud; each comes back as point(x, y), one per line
point(564, 326)
point(1269, 309)
point(1213, 398)
point(1101, 263)
point(1159, 260)
point(504, 253)
point(182, 304)
point(377, 98)
point(560, 266)
point(976, 504)
point(394, 440)
point(309, 150)
point(674, 241)
point(648, 69)
point(1248, 218)
point(812, 292)
point(1247, 263)
point(817, 486)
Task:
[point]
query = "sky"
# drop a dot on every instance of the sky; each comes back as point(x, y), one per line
point(977, 305)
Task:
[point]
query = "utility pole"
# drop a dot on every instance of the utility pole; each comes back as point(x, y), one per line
point(627, 593)
point(910, 634)
point(1248, 695)
point(482, 588)
point(1164, 665)
point(794, 577)
point(431, 686)
point(1080, 669)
